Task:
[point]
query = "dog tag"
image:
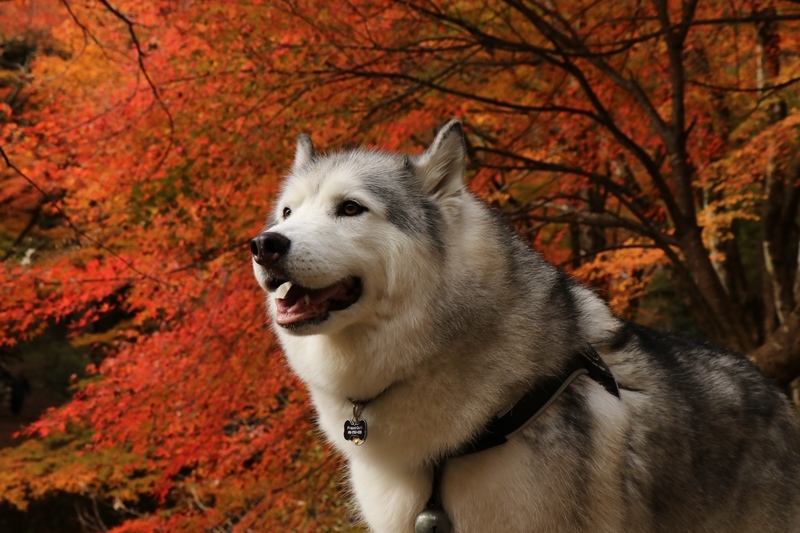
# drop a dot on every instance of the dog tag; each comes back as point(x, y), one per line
point(355, 431)
point(432, 521)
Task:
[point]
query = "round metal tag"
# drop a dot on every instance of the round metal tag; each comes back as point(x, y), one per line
point(432, 521)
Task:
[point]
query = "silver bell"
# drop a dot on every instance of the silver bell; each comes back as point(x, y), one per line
point(432, 521)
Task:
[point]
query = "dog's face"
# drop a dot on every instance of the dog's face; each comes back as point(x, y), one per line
point(348, 232)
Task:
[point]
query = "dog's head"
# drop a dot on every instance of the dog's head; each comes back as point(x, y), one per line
point(353, 234)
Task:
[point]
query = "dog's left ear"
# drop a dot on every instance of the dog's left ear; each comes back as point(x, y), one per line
point(442, 167)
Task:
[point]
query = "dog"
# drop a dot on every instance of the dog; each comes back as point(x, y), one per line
point(423, 325)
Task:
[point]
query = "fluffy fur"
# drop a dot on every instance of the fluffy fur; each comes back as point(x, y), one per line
point(456, 317)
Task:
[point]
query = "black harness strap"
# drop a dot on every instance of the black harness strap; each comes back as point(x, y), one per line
point(435, 501)
point(543, 393)
point(538, 398)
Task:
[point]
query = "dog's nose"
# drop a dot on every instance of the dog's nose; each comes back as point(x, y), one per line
point(269, 247)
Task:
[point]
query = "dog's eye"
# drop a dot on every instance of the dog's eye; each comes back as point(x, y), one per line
point(286, 212)
point(349, 208)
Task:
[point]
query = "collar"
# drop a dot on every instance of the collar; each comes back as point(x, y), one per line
point(499, 429)
point(360, 404)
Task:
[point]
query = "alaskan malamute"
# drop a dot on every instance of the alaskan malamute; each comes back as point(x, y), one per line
point(467, 381)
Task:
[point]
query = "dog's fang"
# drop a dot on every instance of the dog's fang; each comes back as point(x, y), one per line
point(308, 299)
point(280, 292)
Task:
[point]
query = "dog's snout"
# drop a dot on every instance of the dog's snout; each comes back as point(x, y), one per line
point(268, 248)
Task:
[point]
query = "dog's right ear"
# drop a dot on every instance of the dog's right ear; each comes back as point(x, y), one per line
point(442, 167)
point(304, 153)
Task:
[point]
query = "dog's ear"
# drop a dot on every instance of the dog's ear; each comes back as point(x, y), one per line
point(304, 153)
point(442, 167)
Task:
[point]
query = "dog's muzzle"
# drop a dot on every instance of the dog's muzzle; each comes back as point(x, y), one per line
point(298, 306)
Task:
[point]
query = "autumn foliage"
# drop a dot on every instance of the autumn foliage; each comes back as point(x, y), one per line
point(649, 148)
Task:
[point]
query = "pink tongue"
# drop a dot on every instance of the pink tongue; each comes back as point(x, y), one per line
point(294, 308)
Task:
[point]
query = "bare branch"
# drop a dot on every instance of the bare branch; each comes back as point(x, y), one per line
point(52, 201)
point(140, 59)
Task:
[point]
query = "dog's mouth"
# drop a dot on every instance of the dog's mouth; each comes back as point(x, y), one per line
point(298, 306)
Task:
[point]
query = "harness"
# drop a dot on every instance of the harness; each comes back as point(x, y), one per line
point(499, 429)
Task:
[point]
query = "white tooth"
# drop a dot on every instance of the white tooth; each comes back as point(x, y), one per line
point(308, 300)
point(280, 292)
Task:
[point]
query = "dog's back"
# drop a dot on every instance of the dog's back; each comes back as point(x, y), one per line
point(712, 445)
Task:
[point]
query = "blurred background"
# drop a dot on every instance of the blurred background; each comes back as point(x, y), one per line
point(648, 148)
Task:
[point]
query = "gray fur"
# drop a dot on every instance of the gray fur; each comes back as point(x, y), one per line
point(458, 317)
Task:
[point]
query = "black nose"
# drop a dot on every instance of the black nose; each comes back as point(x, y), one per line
point(268, 248)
